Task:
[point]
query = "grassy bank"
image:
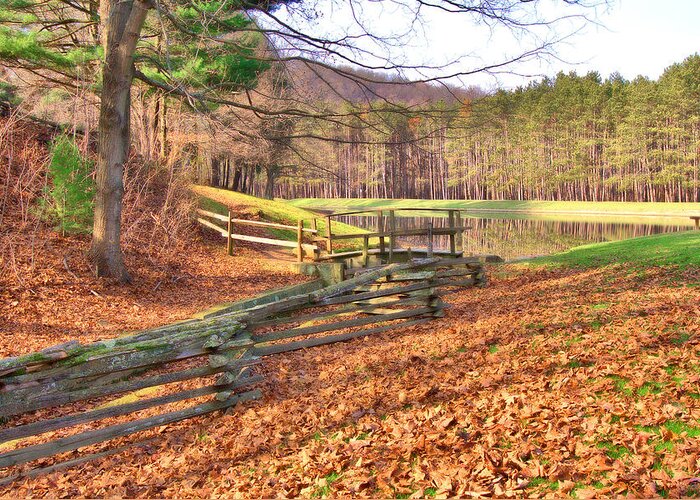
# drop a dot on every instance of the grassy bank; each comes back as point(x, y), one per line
point(534, 207)
point(674, 249)
point(220, 200)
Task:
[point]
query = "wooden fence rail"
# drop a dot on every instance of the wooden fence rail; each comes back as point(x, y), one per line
point(213, 356)
point(231, 222)
point(385, 234)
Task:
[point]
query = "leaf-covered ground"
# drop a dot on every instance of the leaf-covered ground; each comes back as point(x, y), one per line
point(545, 383)
point(54, 296)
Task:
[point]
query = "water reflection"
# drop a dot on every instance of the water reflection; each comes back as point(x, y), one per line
point(521, 237)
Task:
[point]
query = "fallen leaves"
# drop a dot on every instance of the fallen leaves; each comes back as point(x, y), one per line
point(524, 389)
point(50, 307)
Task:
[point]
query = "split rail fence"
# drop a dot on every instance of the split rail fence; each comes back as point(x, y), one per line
point(232, 222)
point(207, 362)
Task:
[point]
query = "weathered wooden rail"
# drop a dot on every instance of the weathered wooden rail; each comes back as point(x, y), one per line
point(73, 385)
point(696, 219)
point(230, 235)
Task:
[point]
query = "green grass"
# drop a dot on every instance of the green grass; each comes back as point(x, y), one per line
point(220, 200)
point(404, 495)
point(621, 384)
point(325, 490)
point(677, 427)
point(614, 451)
point(664, 446)
point(681, 338)
point(650, 387)
point(581, 207)
point(543, 482)
point(680, 427)
point(577, 363)
point(671, 249)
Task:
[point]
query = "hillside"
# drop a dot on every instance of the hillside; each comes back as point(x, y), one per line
point(362, 86)
point(221, 200)
point(675, 249)
point(48, 291)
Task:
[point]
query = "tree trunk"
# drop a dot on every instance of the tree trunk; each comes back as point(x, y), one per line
point(270, 184)
point(122, 30)
point(236, 179)
point(160, 125)
point(215, 172)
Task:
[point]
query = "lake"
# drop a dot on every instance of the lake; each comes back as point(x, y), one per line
point(516, 235)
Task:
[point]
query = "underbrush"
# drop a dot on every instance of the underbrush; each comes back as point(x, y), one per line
point(23, 157)
point(156, 210)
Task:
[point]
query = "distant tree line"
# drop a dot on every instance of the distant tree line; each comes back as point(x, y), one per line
point(567, 138)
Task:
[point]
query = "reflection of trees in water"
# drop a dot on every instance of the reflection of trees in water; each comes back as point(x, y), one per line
point(511, 238)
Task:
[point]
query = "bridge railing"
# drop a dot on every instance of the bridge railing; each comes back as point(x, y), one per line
point(386, 231)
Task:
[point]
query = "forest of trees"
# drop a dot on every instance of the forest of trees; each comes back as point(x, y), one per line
point(567, 138)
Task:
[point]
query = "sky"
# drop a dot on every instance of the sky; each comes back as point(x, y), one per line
point(632, 37)
point(637, 37)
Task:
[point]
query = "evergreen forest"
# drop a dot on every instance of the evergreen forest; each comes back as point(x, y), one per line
point(571, 137)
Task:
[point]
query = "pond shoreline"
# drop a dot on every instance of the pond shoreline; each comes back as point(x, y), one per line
point(513, 236)
point(515, 210)
point(535, 207)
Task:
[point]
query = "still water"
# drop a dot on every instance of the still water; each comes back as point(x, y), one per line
point(514, 236)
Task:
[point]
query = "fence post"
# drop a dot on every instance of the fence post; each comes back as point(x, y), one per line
point(392, 229)
point(460, 232)
point(430, 239)
point(380, 230)
point(365, 250)
point(229, 231)
point(300, 238)
point(329, 241)
point(453, 231)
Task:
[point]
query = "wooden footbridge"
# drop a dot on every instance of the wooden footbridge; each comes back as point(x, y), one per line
point(378, 246)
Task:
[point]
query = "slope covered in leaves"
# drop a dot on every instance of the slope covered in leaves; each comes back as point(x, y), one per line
point(59, 299)
point(545, 383)
point(218, 200)
point(48, 291)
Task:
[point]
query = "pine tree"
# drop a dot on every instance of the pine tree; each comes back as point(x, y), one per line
point(68, 199)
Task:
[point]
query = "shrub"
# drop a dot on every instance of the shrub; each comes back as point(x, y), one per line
point(69, 198)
